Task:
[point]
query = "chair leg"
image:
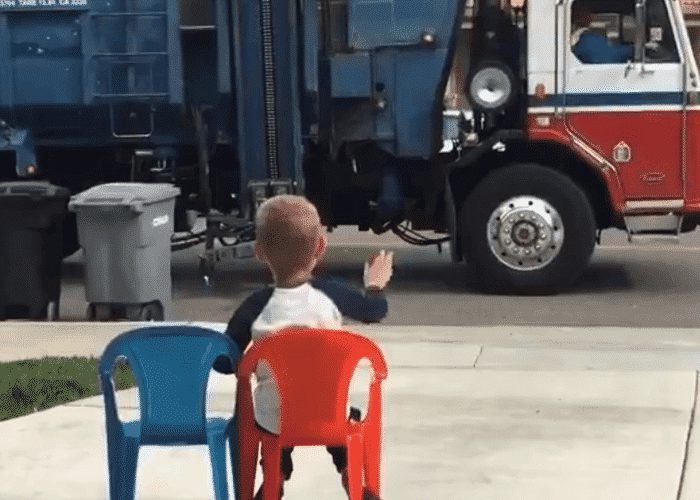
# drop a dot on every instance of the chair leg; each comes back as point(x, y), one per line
point(373, 460)
point(217, 452)
point(113, 460)
point(247, 465)
point(235, 460)
point(355, 466)
point(272, 458)
point(123, 459)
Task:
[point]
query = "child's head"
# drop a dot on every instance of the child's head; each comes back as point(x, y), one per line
point(290, 238)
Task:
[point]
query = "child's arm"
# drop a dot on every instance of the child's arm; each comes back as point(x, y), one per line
point(370, 306)
point(240, 324)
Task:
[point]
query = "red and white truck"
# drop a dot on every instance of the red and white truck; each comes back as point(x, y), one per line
point(600, 145)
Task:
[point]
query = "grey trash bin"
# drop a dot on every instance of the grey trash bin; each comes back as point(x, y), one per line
point(125, 231)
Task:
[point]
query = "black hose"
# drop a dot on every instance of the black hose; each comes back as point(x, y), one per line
point(182, 245)
point(414, 238)
point(188, 237)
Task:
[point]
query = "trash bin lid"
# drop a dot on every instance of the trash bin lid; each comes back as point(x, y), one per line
point(32, 189)
point(125, 194)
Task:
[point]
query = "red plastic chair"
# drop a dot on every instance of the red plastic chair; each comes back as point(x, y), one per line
point(313, 369)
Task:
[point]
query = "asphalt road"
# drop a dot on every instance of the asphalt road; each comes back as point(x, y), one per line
point(641, 286)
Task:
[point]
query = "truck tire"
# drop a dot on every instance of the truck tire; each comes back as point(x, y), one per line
point(527, 230)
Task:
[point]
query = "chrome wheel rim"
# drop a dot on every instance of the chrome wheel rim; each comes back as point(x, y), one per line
point(525, 233)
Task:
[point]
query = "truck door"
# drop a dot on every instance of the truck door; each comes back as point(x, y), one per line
point(624, 91)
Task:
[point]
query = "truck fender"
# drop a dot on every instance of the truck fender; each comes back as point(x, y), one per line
point(494, 142)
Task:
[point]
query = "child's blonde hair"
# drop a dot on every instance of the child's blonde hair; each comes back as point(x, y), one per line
point(288, 229)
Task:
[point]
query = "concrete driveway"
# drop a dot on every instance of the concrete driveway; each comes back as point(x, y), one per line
point(492, 413)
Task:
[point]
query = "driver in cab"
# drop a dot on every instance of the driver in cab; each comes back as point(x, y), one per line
point(591, 47)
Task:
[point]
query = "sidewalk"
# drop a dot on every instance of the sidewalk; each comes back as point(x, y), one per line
point(487, 413)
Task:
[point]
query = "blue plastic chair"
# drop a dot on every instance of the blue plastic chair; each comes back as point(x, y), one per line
point(171, 365)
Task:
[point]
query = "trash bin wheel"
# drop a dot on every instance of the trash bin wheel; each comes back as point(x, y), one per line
point(206, 270)
point(52, 311)
point(151, 312)
point(99, 312)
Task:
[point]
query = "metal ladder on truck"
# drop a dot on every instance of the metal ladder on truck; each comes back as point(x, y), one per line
point(134, 64)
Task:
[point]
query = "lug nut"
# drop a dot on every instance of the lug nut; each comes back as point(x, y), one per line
point(527, 252)
point(516, 250)
point(508, 242)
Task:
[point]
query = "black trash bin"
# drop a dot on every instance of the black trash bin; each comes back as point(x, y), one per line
point(31, 241)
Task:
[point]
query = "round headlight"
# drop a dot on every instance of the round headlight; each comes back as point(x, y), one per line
point(491, 88)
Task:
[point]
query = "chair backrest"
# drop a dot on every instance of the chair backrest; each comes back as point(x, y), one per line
point(313, 369)
point(171, 365)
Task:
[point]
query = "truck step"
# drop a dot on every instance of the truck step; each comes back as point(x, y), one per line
point(654, 238)
point(654, 228)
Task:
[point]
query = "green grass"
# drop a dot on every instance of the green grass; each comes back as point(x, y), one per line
point(34, 385)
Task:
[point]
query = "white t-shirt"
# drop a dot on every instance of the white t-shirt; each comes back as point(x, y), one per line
point(303, 306)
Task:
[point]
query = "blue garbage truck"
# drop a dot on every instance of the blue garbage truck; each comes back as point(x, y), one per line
point(233, 101)
point(473, 120)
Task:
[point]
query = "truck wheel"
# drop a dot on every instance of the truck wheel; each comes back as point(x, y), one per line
point(527, 229)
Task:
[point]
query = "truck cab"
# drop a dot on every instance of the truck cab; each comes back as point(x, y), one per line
point(631, 117)
point(610, 100)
